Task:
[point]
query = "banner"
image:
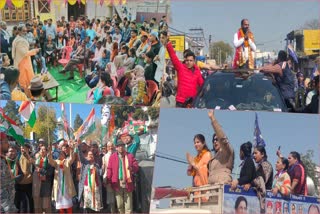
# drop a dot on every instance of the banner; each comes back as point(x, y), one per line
point(18, 3)
point(235, 201)
point(311, 41)
point(178, 43)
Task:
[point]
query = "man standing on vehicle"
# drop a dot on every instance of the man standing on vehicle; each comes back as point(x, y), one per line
point(189, 76)
point(243, 41)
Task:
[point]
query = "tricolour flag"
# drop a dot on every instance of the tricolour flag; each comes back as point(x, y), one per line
point(28, 112)
point(10, 127)
point(258, 140)
point(87, 127)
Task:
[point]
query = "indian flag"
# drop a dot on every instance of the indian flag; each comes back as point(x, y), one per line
point(28, 112)
point(87, 127)
point(11, 128)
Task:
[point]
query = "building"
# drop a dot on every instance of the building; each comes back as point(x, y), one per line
point(90, 8)
point(306, 44)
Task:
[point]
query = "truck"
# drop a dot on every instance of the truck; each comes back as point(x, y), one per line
point(221, 198)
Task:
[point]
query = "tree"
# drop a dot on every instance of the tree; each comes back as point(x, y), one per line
point(220, 51)
point(77, 122)
point(11, 109)
point(121, 114)
point(312, 24)
point(310, 167)
point(139, 114)
point(154, 113)
point(45, 126)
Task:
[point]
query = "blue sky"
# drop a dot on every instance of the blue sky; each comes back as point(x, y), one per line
point(293, 132)
point(270, 21)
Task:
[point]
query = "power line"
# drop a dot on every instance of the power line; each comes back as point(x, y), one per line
point(172, 159)
point(172, 156)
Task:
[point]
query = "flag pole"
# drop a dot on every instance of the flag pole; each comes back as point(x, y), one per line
point(70, 122)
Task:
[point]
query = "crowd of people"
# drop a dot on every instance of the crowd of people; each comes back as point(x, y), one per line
point(121, 58)
point(70, 176)
point(289, 176)
point(183, 82)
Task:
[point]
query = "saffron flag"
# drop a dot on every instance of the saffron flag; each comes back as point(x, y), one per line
point(88, 126)
point(258, 140)
point(28, 112)
point(10, 127)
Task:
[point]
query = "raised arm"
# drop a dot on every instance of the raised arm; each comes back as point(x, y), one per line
point(50, 159)
point(83, 160)
point(175, 61)
point(216, 127)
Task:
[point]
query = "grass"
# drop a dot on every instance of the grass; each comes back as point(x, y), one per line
point(69, 91)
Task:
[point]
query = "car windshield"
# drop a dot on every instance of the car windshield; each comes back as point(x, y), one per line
point(235, 92)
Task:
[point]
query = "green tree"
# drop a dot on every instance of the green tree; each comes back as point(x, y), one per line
point(77, 122)
point(45, 126)
point(139, 114)
point(11, 109)
point(154, 113)
point(220, 51)
point(310, 167)
point(121, 114)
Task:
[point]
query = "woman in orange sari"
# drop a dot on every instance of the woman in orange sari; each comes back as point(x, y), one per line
point(198, 165)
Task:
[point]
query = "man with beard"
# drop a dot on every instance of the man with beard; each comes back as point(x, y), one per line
point(7, 191)
point(244, 43)
point(22, 58)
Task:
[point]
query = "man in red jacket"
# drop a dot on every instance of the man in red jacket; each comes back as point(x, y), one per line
point(189, 76)
point(121, 167)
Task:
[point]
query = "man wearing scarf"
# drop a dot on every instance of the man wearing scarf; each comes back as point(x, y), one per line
point(7, 191)
point(24, 187)
point(121, 167)
point(244, 43)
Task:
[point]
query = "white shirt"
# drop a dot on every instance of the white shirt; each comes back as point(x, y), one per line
point(237, 42)
point(117, 38)
point(98, 54)
point(160, 64)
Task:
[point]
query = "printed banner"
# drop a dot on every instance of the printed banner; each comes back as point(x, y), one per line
point(241, 201)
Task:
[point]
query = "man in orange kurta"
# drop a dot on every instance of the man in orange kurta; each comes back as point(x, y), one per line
point(22, 58)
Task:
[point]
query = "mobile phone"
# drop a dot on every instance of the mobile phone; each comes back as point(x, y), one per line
point(279, 147)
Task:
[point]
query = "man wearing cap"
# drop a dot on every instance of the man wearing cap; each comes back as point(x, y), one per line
point(37, 89)
point(131, 140)
point(7, 190)
point(121, 167)
point(24, 187)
